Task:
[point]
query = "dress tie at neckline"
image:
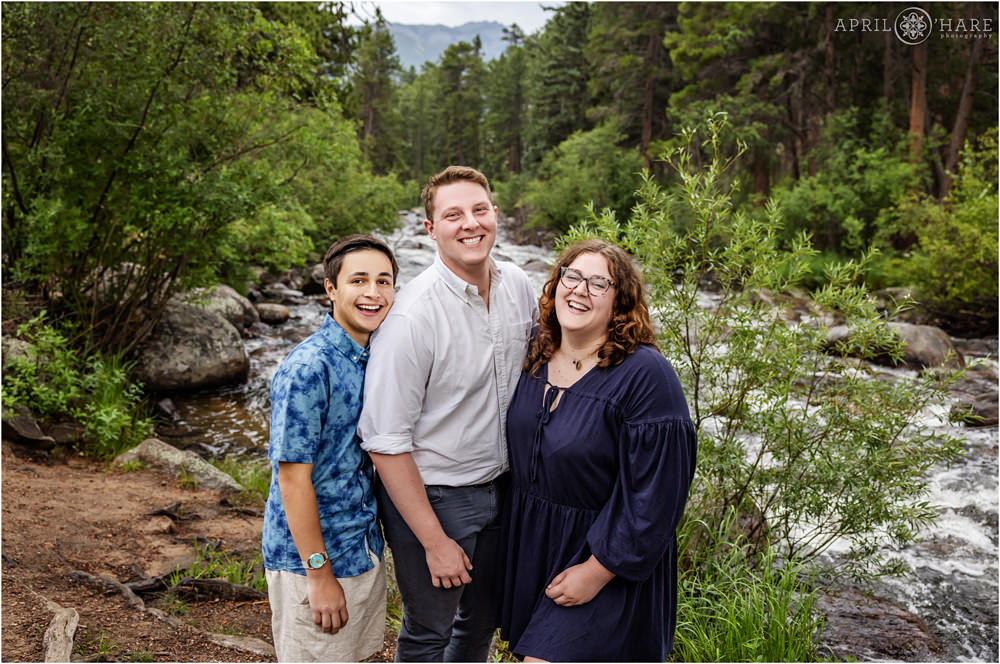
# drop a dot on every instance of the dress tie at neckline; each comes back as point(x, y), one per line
point(551, 393)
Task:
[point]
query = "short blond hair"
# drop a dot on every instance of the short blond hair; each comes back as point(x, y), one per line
point(448, 176)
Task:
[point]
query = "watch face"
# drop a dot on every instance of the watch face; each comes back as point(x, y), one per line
point(316, 561)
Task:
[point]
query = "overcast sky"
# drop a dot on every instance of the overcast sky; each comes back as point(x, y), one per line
point(528, 15)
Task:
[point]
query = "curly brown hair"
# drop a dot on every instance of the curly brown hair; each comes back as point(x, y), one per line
point(629, 325)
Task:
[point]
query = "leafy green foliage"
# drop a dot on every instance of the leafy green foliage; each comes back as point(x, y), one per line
point(53, 381)
point(557, 80)
point(375, 65)
point(862, 175)
point(164, 150)
point(48, 380)
point(956, 254)
point(588, 168)
point(253, 474)
point(804, 440)
point(111, 414)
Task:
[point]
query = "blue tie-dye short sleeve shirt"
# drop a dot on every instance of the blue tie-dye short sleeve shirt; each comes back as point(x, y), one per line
point(316, 398)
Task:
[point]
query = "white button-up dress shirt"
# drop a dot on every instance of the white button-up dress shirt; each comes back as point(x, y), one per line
point(442, 370)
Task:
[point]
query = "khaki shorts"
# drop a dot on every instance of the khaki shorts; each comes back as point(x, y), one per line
point(298, 639)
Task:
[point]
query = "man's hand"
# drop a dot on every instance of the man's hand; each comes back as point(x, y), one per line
point(448, 564)
point(326, 599)
point(578, 584)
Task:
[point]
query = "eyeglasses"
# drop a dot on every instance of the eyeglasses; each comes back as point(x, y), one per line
point(596, 285)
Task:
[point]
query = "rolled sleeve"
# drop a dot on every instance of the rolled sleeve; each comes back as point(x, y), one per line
point(395, 385)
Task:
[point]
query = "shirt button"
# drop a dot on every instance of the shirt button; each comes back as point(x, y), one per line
point(354, 357)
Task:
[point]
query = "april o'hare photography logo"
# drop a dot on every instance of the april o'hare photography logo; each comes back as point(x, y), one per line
point(913, 26)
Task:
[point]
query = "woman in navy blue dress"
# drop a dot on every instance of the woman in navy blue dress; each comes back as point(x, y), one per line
point(602, 453)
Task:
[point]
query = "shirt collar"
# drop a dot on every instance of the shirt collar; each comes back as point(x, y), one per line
point(336, 336)
point(462, 287)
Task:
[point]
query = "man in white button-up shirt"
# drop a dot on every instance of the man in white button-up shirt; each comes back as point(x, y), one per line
point(442, 370)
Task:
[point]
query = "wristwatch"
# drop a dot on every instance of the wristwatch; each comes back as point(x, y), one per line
point(316, 560)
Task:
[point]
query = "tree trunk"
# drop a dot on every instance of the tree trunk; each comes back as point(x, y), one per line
point(649, 94)
point(888, 68)
point(829, 73)
point(761, 177)
point(961, 120)
point(918, 102)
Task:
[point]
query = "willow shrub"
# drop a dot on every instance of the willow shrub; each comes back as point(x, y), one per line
point(809, 444)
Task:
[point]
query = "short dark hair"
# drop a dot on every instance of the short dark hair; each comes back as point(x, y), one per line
point(350, 243)
point(448, 176)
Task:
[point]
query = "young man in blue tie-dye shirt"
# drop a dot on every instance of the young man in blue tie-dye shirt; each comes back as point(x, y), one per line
point(321, 542)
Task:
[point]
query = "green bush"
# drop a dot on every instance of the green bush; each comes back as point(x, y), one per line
point(809, 443)
point(173, 146)
point(47, 381)
point(54, 382)
point(955, 261)
point(586, 168)
point(112, 414)
point(862, 172)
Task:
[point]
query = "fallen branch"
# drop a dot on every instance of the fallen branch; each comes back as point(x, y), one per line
point(217, 589)
point(57, 643)
point(151, 585)
point(109, 586)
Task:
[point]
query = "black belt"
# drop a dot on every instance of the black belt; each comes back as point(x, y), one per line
point(485, 485)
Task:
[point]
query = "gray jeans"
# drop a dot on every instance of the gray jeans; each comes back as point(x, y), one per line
point(448, 624)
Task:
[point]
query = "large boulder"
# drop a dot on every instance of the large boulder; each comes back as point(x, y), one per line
point(13, 348)
point(224, 300)
point(158, 454)
point(273, 314)
point(313, 284)
point(925, 345)
point(873, 628)
point(19, 426)
point(192, 348)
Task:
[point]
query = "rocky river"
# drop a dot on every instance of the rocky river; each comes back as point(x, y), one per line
point(945, 610)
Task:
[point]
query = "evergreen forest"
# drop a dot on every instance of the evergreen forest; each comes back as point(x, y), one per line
point(196, 139)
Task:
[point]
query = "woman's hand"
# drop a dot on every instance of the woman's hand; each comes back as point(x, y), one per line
point(578, 584)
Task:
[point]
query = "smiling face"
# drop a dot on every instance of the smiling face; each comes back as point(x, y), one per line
point(576, 309)
point(363, 293)
point(464, 227)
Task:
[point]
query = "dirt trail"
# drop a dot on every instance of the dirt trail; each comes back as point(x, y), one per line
point(64, 515)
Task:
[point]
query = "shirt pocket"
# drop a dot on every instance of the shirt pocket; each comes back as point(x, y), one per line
point(517, 335)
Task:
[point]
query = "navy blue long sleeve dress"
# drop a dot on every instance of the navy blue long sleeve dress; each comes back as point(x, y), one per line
point(607, 473)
